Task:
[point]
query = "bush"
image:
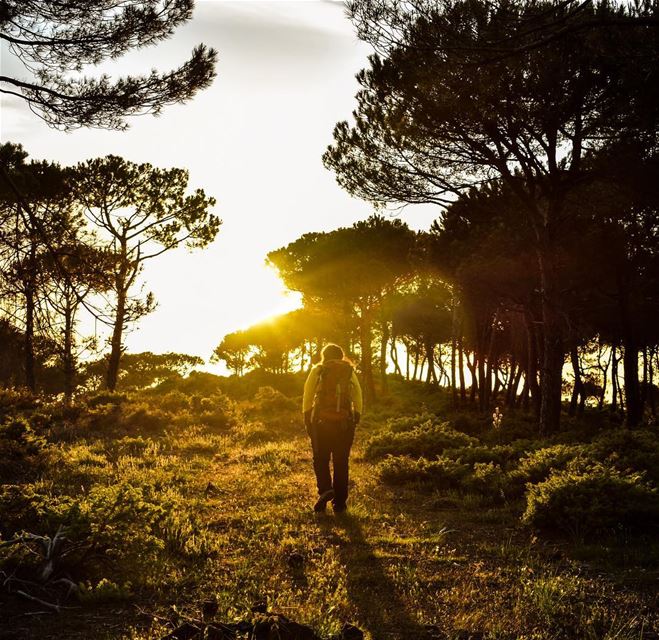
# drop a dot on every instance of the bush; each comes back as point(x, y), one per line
point(104, 591)
point(13, 401)
point(501, 455)
point(22, 452)
point(268, 400)
point(487, 479)
point(105, 397)
point(538, 465)
point(427, 440)
point(409, 423)
point(30, 508)
point(442, 473)
point(595, 500)
point(628, 450)
point(142, 418)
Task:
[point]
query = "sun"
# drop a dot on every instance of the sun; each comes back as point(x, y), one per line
point(263, 298)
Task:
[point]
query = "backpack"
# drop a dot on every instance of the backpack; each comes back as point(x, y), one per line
point(333, 398)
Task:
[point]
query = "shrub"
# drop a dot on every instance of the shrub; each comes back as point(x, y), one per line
point(13, 401)
point(501, 455)
point(538, 465)
point(172, 402)
point(409, 423)
point(104, 591)
point(22, 452)
point(442, 473)
point(593, 500)
point(472, 424)
point(28, 507)
point(427, 440)
point(268, 400)
point(627, 450)
point(142, 418)
point(487, 479)
point(105, 397)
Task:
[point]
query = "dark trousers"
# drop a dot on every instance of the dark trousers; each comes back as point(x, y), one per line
point(332, 440)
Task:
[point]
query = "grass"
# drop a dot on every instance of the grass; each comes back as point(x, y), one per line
point(227, 504)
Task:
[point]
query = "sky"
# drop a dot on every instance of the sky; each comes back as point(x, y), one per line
point(253, 140)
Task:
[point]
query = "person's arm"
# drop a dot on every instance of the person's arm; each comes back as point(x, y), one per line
point(309, 392)
point(357, 398)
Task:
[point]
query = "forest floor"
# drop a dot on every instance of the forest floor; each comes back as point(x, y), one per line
point(400, 564)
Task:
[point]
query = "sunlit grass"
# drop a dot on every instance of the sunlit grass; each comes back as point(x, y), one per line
point(218, 512)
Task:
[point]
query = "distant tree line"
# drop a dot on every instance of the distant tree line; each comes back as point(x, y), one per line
point(75, 240)
point(533, 125)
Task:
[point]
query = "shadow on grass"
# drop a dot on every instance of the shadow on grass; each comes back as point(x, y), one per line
point(375, 596)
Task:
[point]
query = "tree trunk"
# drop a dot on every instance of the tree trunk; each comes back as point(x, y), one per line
point(482, 382)
point(407, 363)
point(430, 359)
point(461, 372)
point(605, 375)
point(393, 350)
point(30, 304)
point(366, 347)
point(474, 382)
point(577, 390)
point(454, 324)
point(651, 396)
point(69, 360)
point(630, 361)
point(551, 380)
point(116, 342)
point(383, 356)
point(532, 365)
point(614, 379)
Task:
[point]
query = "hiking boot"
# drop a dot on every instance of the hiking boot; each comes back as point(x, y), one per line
point(322, 501)
point(339, 508)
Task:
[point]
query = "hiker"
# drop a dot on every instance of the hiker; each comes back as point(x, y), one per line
point(332, 407)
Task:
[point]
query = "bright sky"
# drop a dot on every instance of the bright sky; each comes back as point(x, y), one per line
point(254, 140)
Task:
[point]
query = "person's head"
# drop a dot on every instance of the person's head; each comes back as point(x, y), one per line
point(332, 352)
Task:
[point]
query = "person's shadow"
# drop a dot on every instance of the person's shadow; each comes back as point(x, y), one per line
point(370, 589)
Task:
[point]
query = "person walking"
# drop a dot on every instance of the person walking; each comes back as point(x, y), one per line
point(332, 407)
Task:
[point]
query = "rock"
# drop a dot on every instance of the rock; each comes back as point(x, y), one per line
point(222, 632)
point(463, 634)
point(259, 607)
point(295, 560)
point(277, 627)
point(209, 608)
point(350, 632)
point(186, 631)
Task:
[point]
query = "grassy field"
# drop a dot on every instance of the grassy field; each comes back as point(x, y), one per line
point(169, 502)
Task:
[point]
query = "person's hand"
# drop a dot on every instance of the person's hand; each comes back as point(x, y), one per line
point(307, 421)
point(357, 417)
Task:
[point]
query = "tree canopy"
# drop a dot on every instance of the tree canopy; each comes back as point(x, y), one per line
point(52, 39)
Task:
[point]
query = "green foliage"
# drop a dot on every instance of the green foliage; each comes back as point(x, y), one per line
point(269, 401)
point(103, 591)
point(487, 479)
point(15, 400)
point(501, 455)
point(428, 440)
point(442, 473)
point(55, 42)
point(33, 508)
point(409, 423)
point(22, 452)
point(538, 465)
point(629, 450)
point(592, 500)
point(104, 398)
